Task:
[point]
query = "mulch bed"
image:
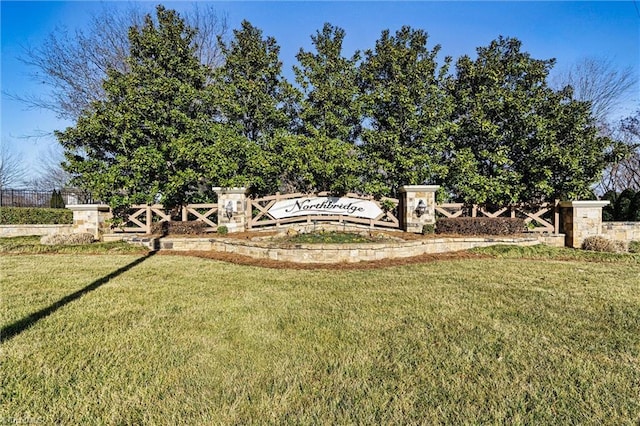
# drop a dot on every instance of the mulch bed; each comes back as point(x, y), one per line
point(383, 263)
point(276, 264)
point(407, 236)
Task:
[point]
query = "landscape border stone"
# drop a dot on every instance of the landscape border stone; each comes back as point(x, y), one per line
point(329, 253)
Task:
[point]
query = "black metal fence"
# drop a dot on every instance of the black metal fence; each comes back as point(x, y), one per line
point(29, 198)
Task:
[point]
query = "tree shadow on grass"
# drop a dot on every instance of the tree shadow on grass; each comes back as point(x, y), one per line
point(25, 323)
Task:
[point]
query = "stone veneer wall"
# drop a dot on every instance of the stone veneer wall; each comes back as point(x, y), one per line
point(91, 218)
point(235, 198)
point(580, 220)
point(553, 240)
point(621, 231)
point(327, 227)
point(327, 253)
point(27, 230)
point(410, 197)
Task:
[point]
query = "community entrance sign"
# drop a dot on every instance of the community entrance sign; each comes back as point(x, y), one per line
point(332, 206)
point(353, 209)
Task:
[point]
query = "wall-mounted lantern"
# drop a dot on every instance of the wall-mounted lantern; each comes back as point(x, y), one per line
point(421, 208)
point(228, 210)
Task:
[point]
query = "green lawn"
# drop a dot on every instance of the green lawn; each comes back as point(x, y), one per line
point(177, 340)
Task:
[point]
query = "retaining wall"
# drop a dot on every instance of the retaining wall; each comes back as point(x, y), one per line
point(327, 253)
point(621, 231)
point(26, 230)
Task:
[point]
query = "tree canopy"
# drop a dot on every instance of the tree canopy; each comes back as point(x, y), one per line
point(152, 138)
point(330, 114)
point(489, 131)
point(407, 108)
point(516, 138)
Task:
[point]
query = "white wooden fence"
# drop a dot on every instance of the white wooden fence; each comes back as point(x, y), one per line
point(544, 217)
point(142, 217)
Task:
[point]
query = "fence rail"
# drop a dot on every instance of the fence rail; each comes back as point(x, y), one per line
point(141, 218)
point(33, 198)
point(543, 218)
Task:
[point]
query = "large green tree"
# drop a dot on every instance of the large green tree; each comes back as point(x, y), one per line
point(330, 114)
point(331, 106)
point(153, 138)
point(516, 139)
point(252, 94)
point(407, 111)
point(256, 101)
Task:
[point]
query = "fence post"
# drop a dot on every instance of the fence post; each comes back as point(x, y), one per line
point(149, 218)
point(417, 206)
point(90, 218)
point(248, 214)
point(580, 220)
point(232, 207)
point(556, 217)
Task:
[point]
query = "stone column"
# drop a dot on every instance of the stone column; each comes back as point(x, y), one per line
point(231, 208)
point(417, 207)
point(91, 218)
point(580, 220)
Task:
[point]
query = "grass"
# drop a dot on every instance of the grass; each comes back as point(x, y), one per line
point(332, 237)
point(543, 252)
point(176, 340)
point(31, 245)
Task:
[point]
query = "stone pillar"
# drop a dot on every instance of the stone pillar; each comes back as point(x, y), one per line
point(231, 208)
point(580, 220)
point(417, 207)
point(91, 218)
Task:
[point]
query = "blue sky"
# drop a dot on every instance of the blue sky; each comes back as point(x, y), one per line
point(567, 31)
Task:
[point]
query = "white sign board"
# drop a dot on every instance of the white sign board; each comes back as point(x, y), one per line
point(325, 206)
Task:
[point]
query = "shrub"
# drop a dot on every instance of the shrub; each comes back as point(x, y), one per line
point(34, 216)
point(428, 229)
point(195, 227)
point(480, 226)
point(66, 239)
point(624, 206)
point(634, 208)
point(223, 230)
point(634, 247)
point(609, 212)
point(602, 244)
point(57, 202)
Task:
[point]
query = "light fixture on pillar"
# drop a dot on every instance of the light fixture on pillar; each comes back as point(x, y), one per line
point(228, 210)
point(421, 208)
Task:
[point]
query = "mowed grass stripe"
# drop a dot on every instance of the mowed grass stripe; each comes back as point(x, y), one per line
point(193, 341)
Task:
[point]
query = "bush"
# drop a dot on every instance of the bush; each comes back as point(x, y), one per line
point(35, 216)
point(480, 226)
point(66, 239)
point(223, 230)
point(57, 202)
point(609, 212)
point(623, 207)
point(634, 247)
point(428, 229)
point(603, 245)
point(179, 228)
